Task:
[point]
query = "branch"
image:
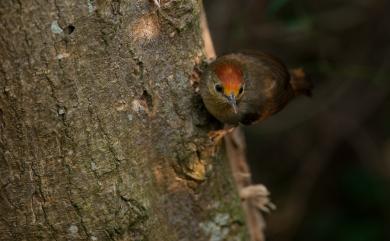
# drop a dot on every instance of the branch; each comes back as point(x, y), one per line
point(254, 197)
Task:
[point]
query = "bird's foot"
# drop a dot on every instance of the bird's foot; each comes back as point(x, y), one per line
point(258, 196)
point(217, 135)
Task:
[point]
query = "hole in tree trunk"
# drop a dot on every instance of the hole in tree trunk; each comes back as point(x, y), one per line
point(148, 99)
point(69, 29)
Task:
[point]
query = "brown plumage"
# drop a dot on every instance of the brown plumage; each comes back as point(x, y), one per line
point(247, 88)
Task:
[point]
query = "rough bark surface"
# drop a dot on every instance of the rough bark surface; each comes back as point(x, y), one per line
point(102, 136)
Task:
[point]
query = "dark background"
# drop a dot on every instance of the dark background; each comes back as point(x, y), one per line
point(326, 160)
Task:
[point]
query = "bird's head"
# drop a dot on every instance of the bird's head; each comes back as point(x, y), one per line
point(227, 83)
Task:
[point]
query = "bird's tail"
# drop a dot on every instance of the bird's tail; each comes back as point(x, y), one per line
point(300, 83)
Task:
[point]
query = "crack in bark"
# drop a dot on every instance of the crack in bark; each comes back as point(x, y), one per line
point(7, 197)
point(81, 220)
point(140, 210)
point(53, 231)
point(117, 160)
point(108, 234)
point(10, 227)
point(32, 209)
point(25, 35)
point(58, 9)
point(73, 203)
point(105, 135)
point(52, 87)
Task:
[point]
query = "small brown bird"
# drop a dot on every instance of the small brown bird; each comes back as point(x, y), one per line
point(247, 88)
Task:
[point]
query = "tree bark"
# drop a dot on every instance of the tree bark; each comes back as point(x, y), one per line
point(102, 134)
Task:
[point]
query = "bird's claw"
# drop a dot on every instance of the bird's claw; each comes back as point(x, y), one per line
point(217, 135)
point(258, 196)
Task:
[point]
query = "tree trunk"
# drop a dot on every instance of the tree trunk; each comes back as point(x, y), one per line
point(102, 134)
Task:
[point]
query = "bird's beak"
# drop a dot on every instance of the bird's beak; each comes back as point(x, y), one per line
point(232, 101)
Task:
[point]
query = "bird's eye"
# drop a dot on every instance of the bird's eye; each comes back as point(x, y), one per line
point(218, 88)
point(241, 90)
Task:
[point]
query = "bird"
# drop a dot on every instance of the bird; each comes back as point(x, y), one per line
point(248, 87)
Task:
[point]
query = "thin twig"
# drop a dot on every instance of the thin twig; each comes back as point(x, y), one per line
point(236, 152)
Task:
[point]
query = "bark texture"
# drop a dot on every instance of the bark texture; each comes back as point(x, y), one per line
point(102, 136)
